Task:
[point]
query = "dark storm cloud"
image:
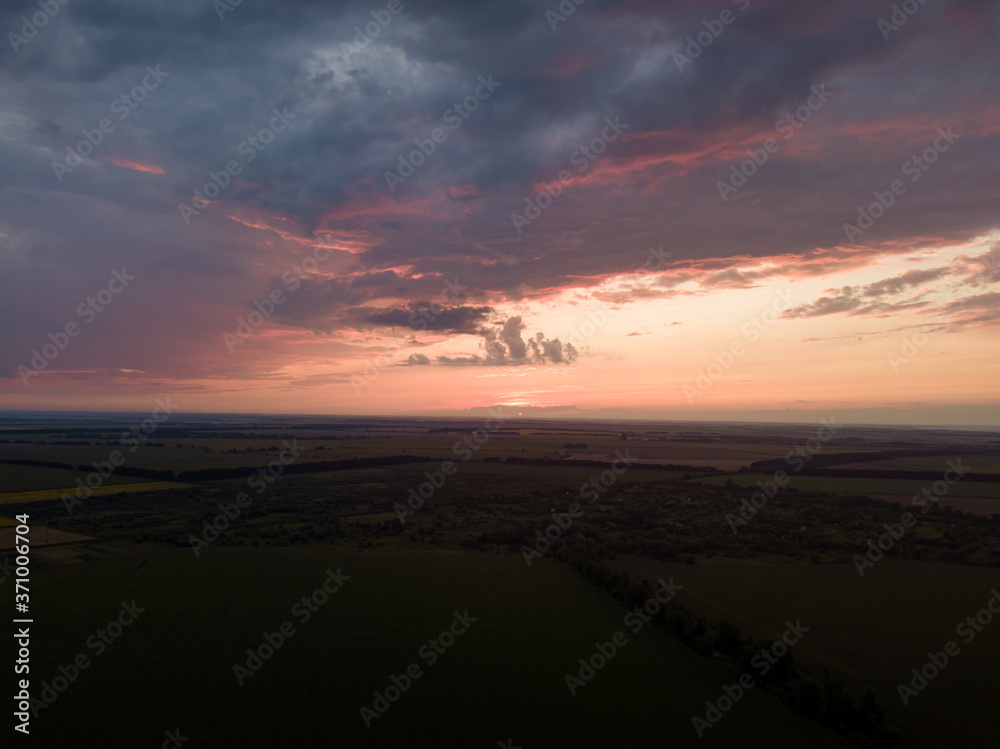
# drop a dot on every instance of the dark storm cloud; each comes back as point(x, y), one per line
point(460, 361)
point(428, 317)
point(382, 278)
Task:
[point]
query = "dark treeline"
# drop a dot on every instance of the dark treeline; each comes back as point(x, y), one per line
point(874, 473)
point(216, 474)
point(825, 699)
point(161, 431)
point(704, 470)
point(39, 463)
point(865, 473)
point(145, 473)
point(819, 464)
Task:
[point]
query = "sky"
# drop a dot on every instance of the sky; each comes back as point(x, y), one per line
point(626, 209)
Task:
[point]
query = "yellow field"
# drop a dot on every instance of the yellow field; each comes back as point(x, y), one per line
point(44, 494)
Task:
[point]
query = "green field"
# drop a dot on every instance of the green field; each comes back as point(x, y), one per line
point(502, 679)
point(849, 485)
point(869, 630)
point(552, 472)
point(15, 478)
point(100, 491)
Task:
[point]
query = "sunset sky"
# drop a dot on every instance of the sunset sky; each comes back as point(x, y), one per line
point(386, 189)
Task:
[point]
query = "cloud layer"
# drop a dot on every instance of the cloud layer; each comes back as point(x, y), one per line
point(364, 160)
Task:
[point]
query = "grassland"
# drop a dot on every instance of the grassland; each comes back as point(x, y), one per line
point(502, 679)
point(871, 630)
point(100, 491)
point(16, 478)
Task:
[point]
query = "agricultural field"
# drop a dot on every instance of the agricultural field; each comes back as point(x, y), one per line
point(99, 491)
point(495, 536)
point(17, 478)
point(871, 629)
point(502, 678)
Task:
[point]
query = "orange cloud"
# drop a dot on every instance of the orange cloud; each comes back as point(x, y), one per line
point(148, 168)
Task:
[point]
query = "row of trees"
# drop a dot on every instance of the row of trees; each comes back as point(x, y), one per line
point(826, 699)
